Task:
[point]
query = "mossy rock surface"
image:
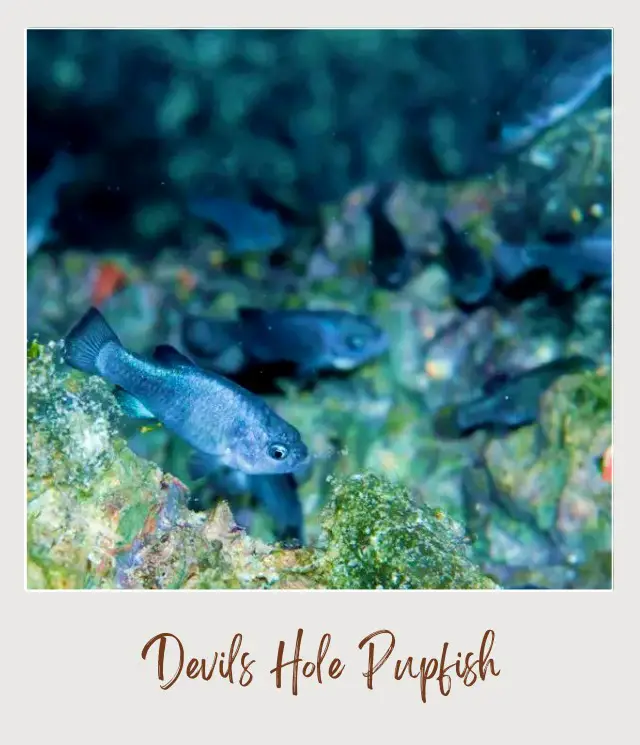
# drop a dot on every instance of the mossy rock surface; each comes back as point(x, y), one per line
point(552, 471)
point(377, 538)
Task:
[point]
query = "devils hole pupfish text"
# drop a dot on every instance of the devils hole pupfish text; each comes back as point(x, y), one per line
point(294, 668)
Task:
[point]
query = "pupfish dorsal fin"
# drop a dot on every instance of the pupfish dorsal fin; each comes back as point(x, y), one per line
point(168, 355)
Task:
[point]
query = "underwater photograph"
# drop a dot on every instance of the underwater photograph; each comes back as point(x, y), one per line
point(319, 309)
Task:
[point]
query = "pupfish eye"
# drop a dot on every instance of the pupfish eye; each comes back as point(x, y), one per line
point(355, 342)
point(278, 452)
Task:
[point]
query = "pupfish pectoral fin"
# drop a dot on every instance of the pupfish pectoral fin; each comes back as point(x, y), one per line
point(202, 464)
point(132, 406)
point(170, 356)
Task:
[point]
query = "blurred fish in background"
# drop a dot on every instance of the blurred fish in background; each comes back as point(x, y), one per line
point(471, 274)
point(568, 260)
point(390, 262)
point(556, 91)
point(42, 200)
point(312, 341)
point(245, 227)
point(507, 401)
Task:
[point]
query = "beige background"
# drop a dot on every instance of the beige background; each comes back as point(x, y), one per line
point(567, 659)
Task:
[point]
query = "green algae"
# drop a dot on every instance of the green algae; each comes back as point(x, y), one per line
point(377, 537)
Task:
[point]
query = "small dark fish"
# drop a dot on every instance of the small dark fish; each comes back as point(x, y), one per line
point(311, 340)
point(568, 263)
point(554, 93)
point(247, 228)
point(390, 260)
point(471, 274)
point(276, 493)
point(209, 412)
point(42, 199)
point(508, 402)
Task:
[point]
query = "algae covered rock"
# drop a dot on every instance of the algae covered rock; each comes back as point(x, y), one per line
point(576, 417)
point(99, 516)
point(551, 473)
point(378, 538)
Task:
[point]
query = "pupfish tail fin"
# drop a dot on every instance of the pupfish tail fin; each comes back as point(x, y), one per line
point(86, 340)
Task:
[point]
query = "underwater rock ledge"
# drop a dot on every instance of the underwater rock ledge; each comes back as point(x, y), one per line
point(98, 516)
